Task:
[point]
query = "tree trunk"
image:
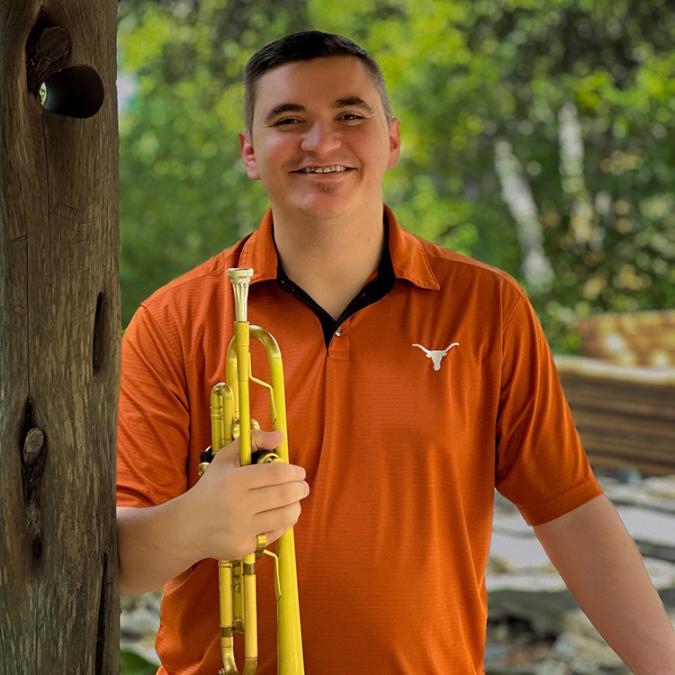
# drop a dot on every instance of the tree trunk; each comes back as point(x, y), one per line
point(59, 337)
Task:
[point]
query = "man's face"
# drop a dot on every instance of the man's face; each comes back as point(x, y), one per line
point(322, 114)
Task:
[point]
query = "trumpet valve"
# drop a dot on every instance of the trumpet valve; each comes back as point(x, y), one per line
point(264, 457)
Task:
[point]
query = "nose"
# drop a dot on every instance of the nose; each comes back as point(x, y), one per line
point(320, 137)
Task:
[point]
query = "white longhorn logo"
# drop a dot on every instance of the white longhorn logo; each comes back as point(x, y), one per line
point(436, 355)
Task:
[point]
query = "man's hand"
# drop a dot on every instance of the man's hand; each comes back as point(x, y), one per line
point(231, 504)
point(219, 517)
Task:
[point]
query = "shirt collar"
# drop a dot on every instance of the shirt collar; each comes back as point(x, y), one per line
point(408, 257)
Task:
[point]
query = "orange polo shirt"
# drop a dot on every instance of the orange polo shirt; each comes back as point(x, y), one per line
point(427, 400)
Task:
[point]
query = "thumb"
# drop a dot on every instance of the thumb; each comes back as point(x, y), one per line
point(266, 440)
point(260, 440)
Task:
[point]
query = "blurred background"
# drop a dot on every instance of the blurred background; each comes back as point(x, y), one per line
point(537, 137)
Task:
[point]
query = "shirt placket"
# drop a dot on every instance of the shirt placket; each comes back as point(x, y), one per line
point(336, 396)
point(340, 347)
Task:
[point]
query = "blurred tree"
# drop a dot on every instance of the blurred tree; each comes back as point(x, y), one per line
point(580, 92)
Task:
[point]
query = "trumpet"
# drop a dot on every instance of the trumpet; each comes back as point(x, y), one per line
point(230, 419)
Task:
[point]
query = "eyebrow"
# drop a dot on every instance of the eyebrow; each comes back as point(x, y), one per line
point(353, 102)
point(347, 102)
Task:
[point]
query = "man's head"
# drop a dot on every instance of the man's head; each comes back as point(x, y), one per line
point(321, 135)
point(306, 46)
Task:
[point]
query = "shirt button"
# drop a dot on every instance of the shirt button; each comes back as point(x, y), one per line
point(338, 332)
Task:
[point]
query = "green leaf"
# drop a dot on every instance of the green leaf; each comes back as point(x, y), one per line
point(133, 664)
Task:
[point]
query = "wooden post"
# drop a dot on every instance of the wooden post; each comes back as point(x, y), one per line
point(59, 337)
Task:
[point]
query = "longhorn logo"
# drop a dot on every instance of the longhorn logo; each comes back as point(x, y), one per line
point(436, 355)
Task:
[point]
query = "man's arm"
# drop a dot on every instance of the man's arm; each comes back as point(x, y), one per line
point(603, 570)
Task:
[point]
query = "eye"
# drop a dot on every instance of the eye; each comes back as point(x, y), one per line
point(351, 117)
point(286, 122)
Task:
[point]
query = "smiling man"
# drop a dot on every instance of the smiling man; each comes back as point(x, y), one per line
point(418, 381)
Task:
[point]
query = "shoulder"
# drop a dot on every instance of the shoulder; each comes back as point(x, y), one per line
point(447, 261)
point(478, 284)
point(192, 285)
point(177, 312)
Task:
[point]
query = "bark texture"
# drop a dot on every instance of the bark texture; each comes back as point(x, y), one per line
point(59, 337)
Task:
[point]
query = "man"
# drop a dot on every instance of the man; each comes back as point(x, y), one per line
point(417, 381)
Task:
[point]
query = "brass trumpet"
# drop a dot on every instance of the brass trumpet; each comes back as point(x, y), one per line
point(231, 418)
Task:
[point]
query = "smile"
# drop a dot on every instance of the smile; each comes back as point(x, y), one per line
point(337, 168)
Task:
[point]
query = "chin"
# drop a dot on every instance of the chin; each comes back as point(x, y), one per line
point(323, 208)
point(324, 214)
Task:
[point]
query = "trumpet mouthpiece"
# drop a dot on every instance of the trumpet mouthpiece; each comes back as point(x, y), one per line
point(240, 278)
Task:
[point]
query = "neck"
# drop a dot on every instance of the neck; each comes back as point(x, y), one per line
point(330, 259)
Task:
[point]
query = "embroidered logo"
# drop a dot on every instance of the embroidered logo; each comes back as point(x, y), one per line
point(436, 355)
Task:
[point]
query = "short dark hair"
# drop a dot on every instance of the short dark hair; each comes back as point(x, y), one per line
point(306, 46)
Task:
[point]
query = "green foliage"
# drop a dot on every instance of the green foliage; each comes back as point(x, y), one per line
point(133, 664)
point(462, 75)
point(183, 192)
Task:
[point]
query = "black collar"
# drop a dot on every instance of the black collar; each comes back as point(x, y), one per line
point(373, 291)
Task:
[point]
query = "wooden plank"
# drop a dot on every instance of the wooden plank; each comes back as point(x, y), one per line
point(615, 452)
point(625, 416)
point(618, 447)
point(643, 465)
point(657, 409)
point(654, 432)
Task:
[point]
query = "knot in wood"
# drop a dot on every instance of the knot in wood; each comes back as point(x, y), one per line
point(32, 445)
point(47, 52)
point(54, 47)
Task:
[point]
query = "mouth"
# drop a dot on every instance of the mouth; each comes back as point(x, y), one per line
point(331, 169)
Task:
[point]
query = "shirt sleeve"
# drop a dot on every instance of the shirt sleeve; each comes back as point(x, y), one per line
point(541, 464)
point(153, 416)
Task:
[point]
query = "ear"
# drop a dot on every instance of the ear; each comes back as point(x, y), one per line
point(394, 143)
point(248, 156)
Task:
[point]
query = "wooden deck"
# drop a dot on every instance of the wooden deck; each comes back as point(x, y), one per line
point(625, 416)
point(622, 391)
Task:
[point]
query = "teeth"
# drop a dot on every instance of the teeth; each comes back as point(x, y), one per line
point(324, 169)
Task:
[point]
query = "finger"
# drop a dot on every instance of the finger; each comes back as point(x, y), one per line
point(275, 534)
point(228, 456)
point(278, 496)
point(270, 537)
point(272, 474)
point(277, 519)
